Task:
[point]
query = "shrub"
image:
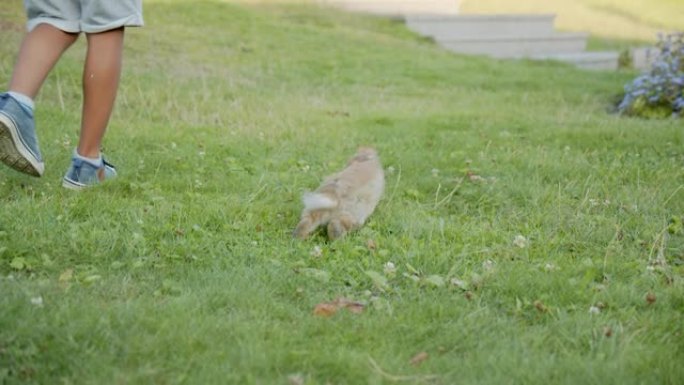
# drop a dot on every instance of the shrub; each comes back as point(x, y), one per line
point(659, 92)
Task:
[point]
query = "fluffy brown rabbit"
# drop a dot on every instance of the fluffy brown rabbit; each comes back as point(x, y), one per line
point(344, 200)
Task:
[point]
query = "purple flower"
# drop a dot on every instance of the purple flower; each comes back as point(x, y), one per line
point(663, 84)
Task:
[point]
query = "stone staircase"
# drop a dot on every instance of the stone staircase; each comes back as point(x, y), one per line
point(498, 36)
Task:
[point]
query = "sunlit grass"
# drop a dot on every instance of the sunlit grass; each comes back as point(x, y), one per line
point(534, 234)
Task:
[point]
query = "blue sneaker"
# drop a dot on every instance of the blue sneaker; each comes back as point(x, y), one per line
point(83, 174)
point(18, 141)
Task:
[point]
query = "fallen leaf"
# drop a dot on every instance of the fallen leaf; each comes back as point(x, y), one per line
point(352, 306)
point(371, 244)
point(607, 331)
point(356, 308)
point(325, 309)
point(539, 305)
point(650, 298)
point(419, 358)
point(474, 177)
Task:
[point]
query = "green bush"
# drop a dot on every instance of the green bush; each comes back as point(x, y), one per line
point(659, 92)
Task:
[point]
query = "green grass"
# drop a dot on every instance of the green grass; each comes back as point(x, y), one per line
point(183, 271)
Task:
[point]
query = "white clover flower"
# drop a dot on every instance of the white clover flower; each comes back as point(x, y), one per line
point(37, 301)
point(389, 268)
point(459, 283)
point(594, 310)
point(317, 251)
point(520, 241)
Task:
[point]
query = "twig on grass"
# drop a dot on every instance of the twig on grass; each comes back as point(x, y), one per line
point(673, 194)
point(396, 186)
point(448, 197)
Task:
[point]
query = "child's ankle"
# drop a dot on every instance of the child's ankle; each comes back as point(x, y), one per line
point(96, 159)
point(25, 101)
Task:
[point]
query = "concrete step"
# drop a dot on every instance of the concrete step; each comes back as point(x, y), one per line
point(397, 8)
point(643, 57)
point(587, 60)
point(505, 47)
point(449, 27)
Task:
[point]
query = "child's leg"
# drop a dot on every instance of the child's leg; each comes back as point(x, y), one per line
point(39, 52)
point(101, 75)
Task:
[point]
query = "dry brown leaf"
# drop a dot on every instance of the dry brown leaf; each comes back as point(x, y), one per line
point(650, 298)
point(540, 306)
point(352, 306)
point(474, 177)
point(607, 331)
point(325, 309)
point(371, 244)
point(419, 358)
point(356, 308)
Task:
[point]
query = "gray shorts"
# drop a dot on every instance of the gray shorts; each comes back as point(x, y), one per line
point(90, 16)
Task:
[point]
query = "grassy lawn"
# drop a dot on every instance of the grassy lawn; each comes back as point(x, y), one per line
point(536, 237)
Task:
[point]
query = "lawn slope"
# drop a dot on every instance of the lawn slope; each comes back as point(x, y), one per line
point(535, 236)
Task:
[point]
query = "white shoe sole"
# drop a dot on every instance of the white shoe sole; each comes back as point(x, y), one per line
point(71, 185)
point(14, 153)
